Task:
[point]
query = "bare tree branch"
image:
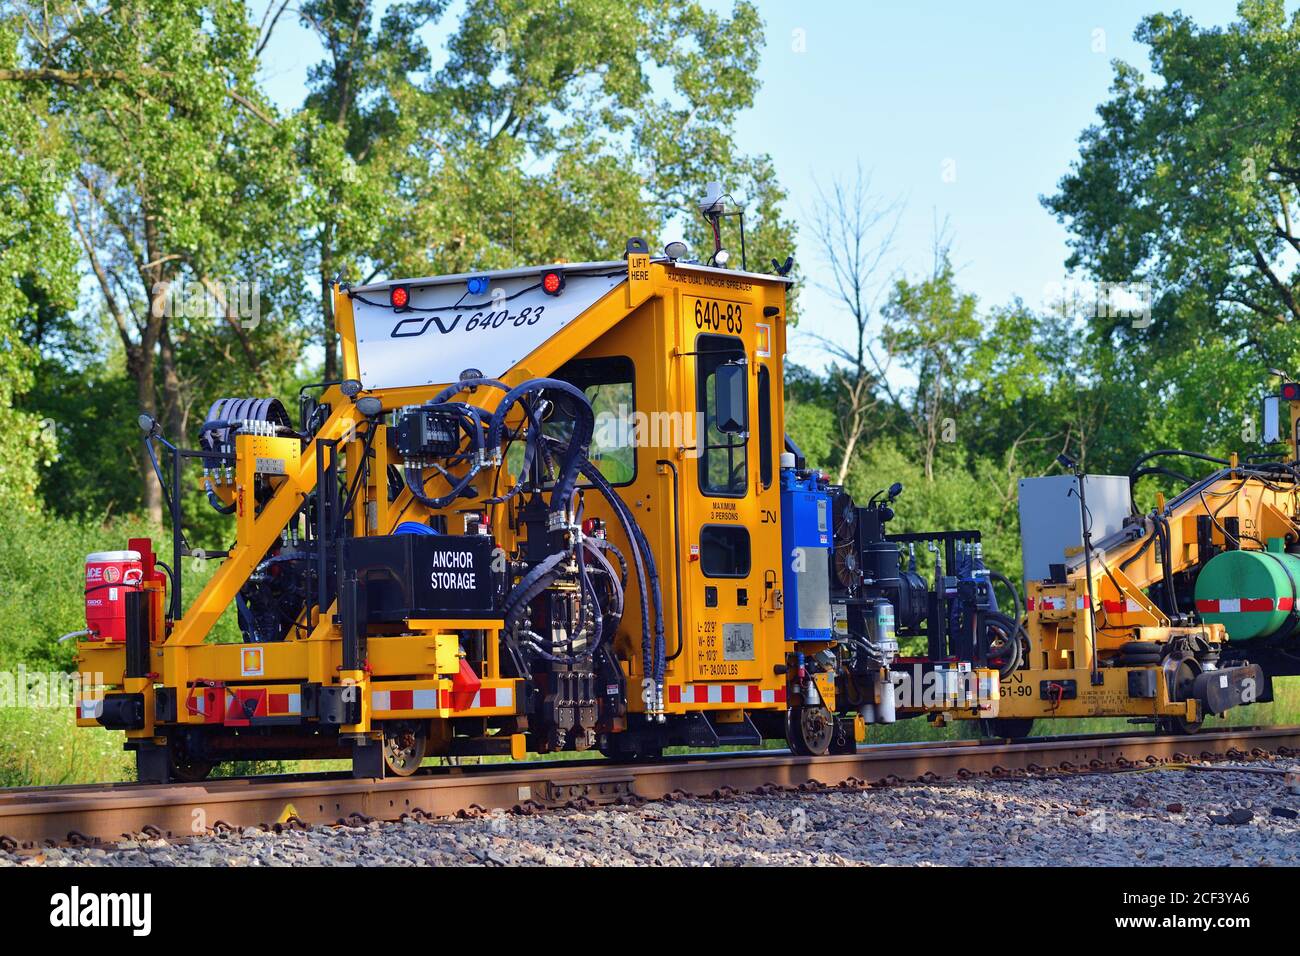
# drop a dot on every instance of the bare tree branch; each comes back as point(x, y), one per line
point(264, 31)
point(855, 233)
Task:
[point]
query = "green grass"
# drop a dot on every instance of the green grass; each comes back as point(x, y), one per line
point(42, 562)
point(44, 747)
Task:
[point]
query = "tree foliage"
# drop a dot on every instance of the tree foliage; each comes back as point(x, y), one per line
point(1191, 180)
point(37, 276)
point(204, 228)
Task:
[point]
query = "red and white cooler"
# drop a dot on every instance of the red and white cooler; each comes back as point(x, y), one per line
point(110, 576)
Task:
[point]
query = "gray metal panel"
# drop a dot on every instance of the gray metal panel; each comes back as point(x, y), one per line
point(1050, 520)
point(442, 334)
point(814, 585)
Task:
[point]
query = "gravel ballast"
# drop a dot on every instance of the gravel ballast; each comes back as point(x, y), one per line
point(1166, 817)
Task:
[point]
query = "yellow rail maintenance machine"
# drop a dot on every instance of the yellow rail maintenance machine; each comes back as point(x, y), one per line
point(555, 508)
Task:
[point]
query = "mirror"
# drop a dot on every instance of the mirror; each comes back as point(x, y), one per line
point(729, 405)
point(1272, 420)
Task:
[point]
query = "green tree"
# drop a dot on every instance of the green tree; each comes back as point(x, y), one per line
point(552, 132)
point(182, 180)
point(358, 130)
point(38, 277)
point(1189, 182)
point(854, 233)
point(810, 418)
point(930, 328)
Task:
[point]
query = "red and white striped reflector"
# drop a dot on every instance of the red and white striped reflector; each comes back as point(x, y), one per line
point(492, 697)
point(724, 694)
point(1240, 605)
point(281, 705)
point(404, 700)
point(439, 700)
point(1127, 606)
point(1055, 604)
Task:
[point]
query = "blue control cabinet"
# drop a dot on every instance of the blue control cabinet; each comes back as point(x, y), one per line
point(806, 540)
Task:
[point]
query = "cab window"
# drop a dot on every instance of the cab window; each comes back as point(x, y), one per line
point(765, 426)
point(724, 551)
point(610, 386)
point(723, 464)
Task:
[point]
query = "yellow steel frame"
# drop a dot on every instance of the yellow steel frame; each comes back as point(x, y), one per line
point(643, 318)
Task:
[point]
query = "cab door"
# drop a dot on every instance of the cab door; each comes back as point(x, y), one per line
point(726, 573)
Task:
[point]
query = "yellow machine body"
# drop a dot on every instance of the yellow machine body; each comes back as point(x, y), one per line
point(1080, 632)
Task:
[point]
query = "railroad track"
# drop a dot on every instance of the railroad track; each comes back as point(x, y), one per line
point(104, 813)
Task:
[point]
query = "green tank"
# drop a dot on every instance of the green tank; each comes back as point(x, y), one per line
point(1251, 593)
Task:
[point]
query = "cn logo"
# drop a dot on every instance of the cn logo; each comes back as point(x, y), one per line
point(407, 327)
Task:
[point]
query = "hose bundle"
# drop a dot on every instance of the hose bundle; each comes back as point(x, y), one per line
point(487, 434)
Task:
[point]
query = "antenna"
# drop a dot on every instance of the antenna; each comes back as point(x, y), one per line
point(713, 207)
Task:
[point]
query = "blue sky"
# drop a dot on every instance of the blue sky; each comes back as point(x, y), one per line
point(965, 112)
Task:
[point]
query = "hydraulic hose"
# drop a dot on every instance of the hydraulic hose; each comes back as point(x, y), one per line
point(640, 554)
point(615, 611)
point(603, 544)
point(470, 419)
point(596, 619)
point(584, 426)
point(528, 588)
point(465, 385)
point(1015, 594)
point(1162, 526)
point(1134, 472)
point(1012, 630)
point(215, 502)
point(641, 545)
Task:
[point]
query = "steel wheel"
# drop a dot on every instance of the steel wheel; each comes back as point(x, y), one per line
point(183, 766)
point(620, 749)
point(404, 747)
point(1177, 725)
point(1007, 726)
point(1180, 670)
point(809, 730)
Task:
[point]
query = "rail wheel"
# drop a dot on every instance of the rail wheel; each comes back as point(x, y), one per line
point(171, 763)
point(405, 743)
point(1180, 669)
point(613, 747)
point(190, 770)
point(1177, 725)
point(1007, 726)
point(809, 730)
point(634, 756)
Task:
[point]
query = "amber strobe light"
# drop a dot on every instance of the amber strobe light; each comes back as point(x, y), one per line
point(399, 297)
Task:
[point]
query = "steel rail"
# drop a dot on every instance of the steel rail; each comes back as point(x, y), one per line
point(105, 813)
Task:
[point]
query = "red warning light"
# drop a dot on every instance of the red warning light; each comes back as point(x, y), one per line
point(399, 296)
point(553, 283)
point(1291, 391)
